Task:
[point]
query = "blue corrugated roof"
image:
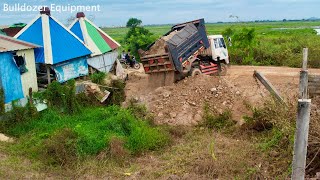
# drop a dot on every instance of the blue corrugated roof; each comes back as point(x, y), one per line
point(76, 29)
point(64, 45)
point(34, 35)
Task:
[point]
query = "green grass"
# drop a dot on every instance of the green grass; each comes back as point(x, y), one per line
point(90, 130)
point(276, 47)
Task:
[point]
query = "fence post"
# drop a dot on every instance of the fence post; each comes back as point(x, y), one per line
point(302, 126)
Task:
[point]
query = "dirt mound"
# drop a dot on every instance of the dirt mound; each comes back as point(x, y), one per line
point(183, 102)
point(157, 48)
point(159, 45)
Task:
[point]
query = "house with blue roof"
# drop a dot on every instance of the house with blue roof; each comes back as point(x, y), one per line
point(61, 51)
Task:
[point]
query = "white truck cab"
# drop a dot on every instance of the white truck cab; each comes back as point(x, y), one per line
point(218, 48)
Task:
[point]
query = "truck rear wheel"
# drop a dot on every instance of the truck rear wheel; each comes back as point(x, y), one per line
point(195, 72)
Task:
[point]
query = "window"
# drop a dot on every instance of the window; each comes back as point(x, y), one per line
point(216, 45)
point(221, 43)
point(20, 62)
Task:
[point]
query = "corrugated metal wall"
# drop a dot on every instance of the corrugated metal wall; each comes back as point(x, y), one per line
point(29, 79)
point(10, 78)
point(103, 63)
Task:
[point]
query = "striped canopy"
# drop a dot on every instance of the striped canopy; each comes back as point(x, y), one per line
point(58, 43)
point(96, 39)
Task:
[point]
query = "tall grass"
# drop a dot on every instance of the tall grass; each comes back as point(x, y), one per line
point(62, 137)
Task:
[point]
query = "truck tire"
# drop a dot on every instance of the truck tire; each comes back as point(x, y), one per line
point(224, 69)
point(195, 72)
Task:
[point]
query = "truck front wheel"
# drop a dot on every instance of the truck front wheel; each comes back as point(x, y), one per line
point(224, 69)
point(195, 72)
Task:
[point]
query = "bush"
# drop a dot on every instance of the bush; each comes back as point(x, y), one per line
point(220, 121)
point(62, 97)
point(98, 78)
point(118, 95)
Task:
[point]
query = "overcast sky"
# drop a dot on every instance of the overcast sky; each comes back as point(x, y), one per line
point(116, 13)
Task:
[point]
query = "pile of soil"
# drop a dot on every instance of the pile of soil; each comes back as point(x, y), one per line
point(183, 103)
point(158, 47)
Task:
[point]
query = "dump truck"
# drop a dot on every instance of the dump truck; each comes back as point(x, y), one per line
point(186, 50)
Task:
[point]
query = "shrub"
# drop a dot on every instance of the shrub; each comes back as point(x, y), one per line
point(118, 95)
point(98, 78)
point(62, 97)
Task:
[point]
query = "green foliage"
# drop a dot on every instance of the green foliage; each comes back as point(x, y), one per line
point(98, 77)
point(117, 91)
point(137, 38)
point(220, 121)
point(62, 97)
point(63, 139)
point(133, 22)
point(274, 44)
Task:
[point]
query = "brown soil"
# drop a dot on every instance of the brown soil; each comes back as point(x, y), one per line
point(158, 47)
point(182, 103)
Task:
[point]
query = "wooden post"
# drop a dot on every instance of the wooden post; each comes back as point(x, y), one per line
point(30, 96)
point(268, 85)
point(301, 140)
point(48, 74)
point(303, 86)
point(302, 126)
point(305, 59)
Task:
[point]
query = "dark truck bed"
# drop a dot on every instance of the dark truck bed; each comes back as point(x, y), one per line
point(181, 42)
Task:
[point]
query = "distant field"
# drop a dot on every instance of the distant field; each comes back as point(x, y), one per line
point(276, 43)
point(263, 27)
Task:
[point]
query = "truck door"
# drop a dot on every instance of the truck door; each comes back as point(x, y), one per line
point(220, 49)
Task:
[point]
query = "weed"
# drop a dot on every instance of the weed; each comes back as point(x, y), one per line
point(117, 92)
point(140, 111)
point(221, 121)
point(98, 77)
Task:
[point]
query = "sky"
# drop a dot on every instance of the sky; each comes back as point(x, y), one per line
point(117, 12)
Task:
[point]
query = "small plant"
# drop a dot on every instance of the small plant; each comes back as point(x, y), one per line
point(220, 121)
point(98, 78)
point(140, 111)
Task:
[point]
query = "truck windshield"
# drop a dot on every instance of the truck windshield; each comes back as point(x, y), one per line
point(221, 42)
point(216, 44)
